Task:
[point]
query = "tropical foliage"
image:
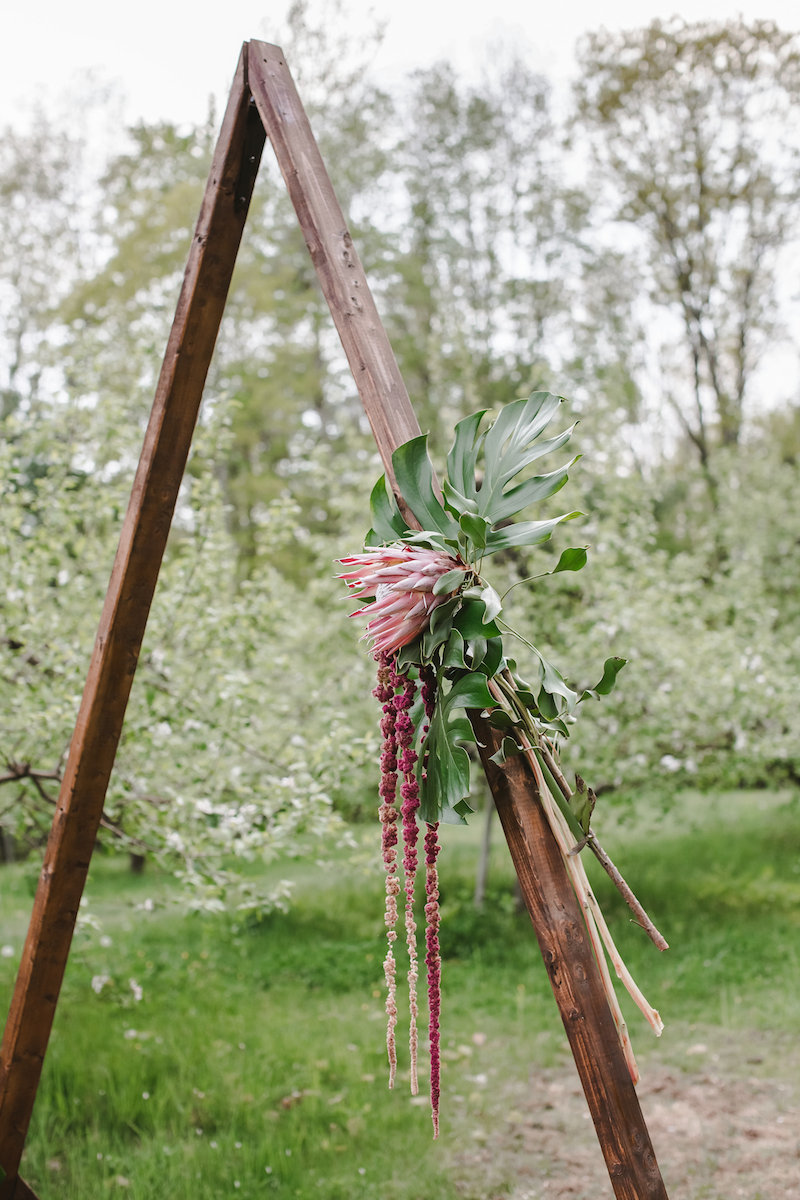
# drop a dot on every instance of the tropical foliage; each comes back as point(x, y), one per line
point(437, 634)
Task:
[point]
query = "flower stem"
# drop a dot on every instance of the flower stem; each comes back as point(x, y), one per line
point(434, 964)
point(504, 691)
point(545, 749)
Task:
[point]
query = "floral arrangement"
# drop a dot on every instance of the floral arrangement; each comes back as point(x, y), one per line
point(437, 633)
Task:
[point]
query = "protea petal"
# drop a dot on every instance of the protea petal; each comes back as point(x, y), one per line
point(400, 580)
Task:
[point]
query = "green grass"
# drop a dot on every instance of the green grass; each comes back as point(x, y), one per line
point(253, 1065)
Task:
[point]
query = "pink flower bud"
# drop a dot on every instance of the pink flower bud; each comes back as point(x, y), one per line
point(400, 580)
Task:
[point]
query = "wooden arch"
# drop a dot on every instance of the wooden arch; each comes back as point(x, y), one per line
point(264, 104)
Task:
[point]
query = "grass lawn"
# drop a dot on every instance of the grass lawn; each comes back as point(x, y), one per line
point(253, 1062)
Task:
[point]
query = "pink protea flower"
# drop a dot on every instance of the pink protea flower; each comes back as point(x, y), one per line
point(401, 581)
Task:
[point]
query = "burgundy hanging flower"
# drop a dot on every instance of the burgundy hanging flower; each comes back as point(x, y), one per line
point(384, 692)
point(396, 691)
point(400, 579)
point(434, 964)
point(410, 793)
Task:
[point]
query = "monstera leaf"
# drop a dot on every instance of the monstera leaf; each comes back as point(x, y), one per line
point(414, 475)
point(510, 445)
point(387, 521)
point(444, 780)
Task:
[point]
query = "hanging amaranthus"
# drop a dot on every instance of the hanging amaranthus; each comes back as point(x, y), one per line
point(410, 794)
point(388, 817)
point(433, 619)
point(433, 962)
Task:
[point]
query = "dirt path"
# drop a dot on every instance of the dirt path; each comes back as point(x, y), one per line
point(725, 1124)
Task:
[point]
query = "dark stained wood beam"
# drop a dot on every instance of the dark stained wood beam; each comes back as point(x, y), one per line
point(122, 624)
point(333, 254)
point(574, 976)
point(548, 893)
point(16, 1189)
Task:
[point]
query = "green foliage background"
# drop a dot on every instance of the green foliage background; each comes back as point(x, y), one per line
point(645, 282)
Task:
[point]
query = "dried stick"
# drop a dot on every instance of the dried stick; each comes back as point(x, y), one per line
point(657, 938)
point(642, 919)
point(595, 923)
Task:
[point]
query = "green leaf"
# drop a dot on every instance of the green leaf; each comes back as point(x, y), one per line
point(449, 581)
point(440, 628)
point(470, 621)
point(553, 684)
point(611, 669)
point(518, 424)
point(508, 748)
point(501, 719)
point(494, 605)
point(430, 538)
point(476, 528)
point(432, 639)
point(573, 559)
point(494, 657)
point(453, 655)
point(525, 533)
point(410, 654)
point(543, 448)
point(471, 691)
point(508, 449)
point(457, 815)
point(556, 725)
point(446, 782)
point(461, 729)
point(414, 475)
point(463, 456)
point(548, 705)
point(387, 522)
point(455, 501)
point(476, 648)
point(442, 614)
point(582, 802)
point(529, 492)
point(447, 779)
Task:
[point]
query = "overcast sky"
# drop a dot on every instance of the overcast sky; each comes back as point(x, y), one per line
point(168, 56)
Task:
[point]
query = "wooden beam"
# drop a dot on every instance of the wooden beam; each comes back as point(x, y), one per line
point(333, 254)
point(573, 973)
point(122, 624)
point(16, 1189)
point(551, 901)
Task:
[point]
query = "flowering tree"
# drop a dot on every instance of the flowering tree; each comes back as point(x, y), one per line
point(207, 772)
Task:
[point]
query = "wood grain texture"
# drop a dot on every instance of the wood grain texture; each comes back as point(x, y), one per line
point(133, 580)
point(573, 973)
point(333, 254)
point(16, 1189)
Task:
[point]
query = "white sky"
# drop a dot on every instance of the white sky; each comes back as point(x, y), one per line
point(168, 56)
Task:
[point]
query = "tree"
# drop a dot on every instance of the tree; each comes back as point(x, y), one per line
point(486, 236)
point(235, 745)
point(695, 131)
point(39, 249)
